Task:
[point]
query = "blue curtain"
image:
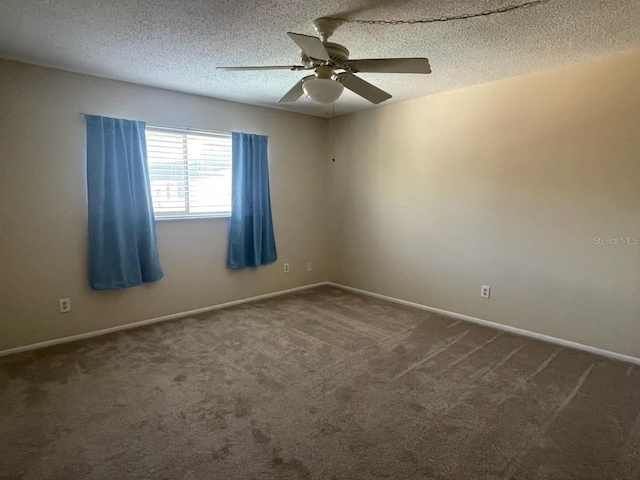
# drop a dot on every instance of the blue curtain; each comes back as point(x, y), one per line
point(123, 251)
point(251, 240)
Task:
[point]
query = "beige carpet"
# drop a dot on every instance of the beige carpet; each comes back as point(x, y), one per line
point(321, 384)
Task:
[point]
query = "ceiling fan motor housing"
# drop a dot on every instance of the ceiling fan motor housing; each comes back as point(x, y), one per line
point(338, 54)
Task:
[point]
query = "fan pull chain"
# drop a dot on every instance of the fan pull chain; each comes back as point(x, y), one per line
point(333, 132)
point(447, 18)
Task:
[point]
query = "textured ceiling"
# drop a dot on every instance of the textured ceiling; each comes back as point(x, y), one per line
point(177, 44)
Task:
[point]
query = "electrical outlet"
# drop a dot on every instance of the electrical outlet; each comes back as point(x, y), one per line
point(308, 266)
point(485, 291)
point(286, 268)
point(65, 305)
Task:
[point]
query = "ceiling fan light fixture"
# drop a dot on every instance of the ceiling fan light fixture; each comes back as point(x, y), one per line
point(322, 90)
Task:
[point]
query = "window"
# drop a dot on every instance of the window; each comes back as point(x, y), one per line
point(190, 172)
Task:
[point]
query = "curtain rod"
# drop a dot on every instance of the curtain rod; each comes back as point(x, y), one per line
point(169, 127)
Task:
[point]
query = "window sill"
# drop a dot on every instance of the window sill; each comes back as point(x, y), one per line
point(162, 218)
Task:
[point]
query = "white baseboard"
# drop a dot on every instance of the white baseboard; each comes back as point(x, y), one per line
point(173, 316)
point(498, 326)
point(467, 318)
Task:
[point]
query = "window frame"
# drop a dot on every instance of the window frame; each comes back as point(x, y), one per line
point(159, 216)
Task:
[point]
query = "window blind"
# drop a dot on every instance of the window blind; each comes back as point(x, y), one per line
point(189, 172)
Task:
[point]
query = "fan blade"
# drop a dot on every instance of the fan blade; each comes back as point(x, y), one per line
point(266, 67)
point(312, 47)
point(295, 93)
point(391, 65)
point(363, 88)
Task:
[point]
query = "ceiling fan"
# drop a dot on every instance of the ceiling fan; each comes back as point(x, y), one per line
point(333, 70)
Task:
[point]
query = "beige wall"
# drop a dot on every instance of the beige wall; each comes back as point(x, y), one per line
point(503, 184)
point(43, 220)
